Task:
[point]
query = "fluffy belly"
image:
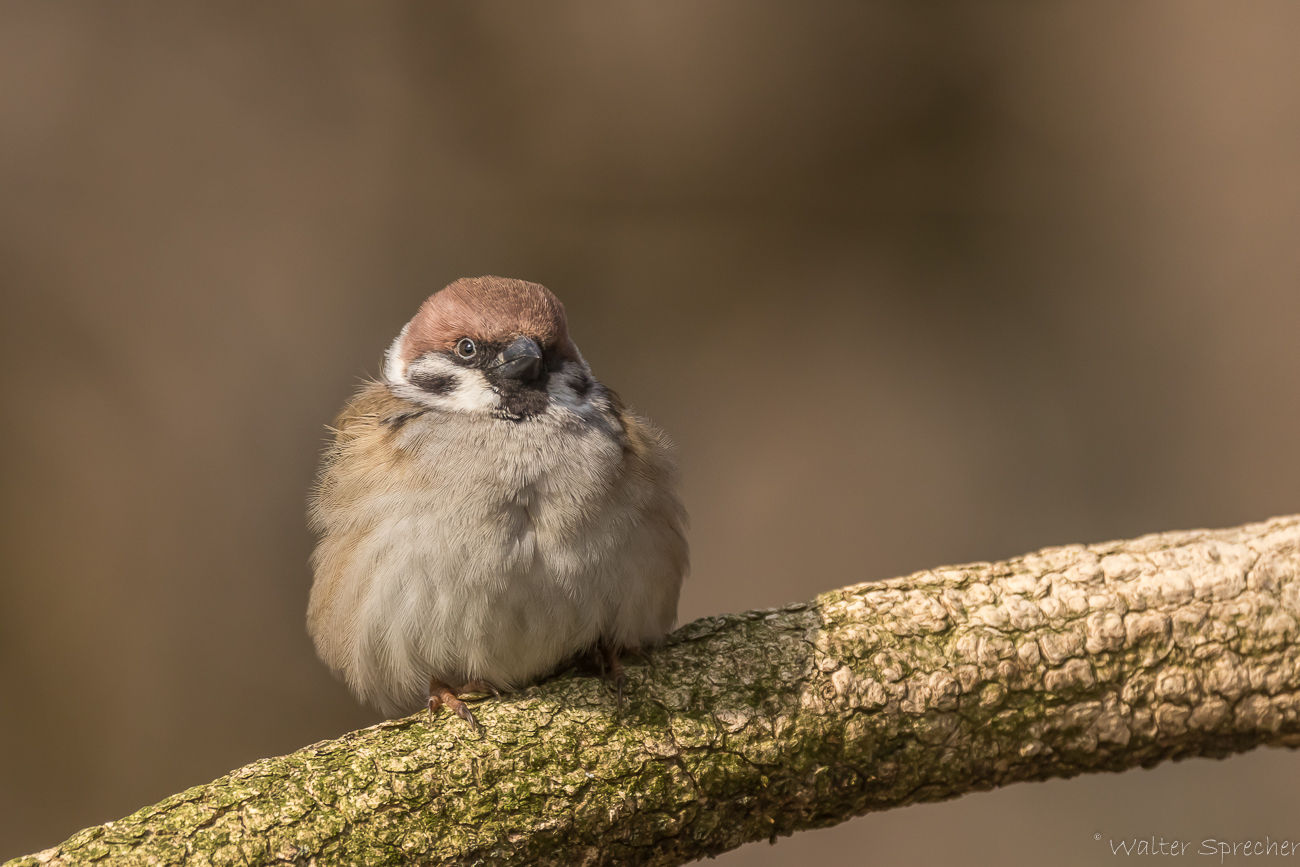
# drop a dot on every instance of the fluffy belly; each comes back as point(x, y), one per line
point(448, 604)
point(496, 568)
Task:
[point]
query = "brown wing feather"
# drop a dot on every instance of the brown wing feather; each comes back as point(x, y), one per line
point(360, 458)
point(650, 459)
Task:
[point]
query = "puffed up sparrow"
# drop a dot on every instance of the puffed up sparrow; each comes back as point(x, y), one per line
point(488, 510)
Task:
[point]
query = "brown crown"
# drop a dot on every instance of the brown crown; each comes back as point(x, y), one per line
point(488, 310)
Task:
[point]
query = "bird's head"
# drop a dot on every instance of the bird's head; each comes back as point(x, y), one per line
point(489, 345)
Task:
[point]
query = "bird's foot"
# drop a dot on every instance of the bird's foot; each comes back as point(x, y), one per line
point(608, 656)
point(440, 694)
point(480, 687)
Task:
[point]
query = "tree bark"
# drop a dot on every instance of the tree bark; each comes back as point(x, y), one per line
point(752, 726)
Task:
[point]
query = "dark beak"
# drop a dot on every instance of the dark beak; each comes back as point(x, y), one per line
point(520, 360)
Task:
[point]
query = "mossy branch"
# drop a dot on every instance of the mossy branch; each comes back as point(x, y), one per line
point(748, 727)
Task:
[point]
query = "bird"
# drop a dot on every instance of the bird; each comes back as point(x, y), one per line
point(488, 510)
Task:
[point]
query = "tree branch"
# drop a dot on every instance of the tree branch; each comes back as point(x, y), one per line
point(752, 726)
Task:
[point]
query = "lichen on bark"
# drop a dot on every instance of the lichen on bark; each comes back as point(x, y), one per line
point(751, 726)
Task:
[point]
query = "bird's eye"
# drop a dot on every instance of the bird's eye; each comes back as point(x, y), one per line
point(465, 348)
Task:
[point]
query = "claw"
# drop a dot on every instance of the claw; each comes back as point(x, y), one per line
point(609, 656)
point(480, 686)
point(467, 715)
point(440, 694)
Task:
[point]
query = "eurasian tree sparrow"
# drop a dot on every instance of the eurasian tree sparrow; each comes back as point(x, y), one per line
point(487, 510)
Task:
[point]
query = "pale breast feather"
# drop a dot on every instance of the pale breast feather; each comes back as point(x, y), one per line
point(418, 569)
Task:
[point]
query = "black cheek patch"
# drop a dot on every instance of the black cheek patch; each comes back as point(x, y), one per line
point(434, 383)
point(581, 385)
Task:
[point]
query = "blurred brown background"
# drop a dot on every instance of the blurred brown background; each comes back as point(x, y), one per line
point(909, 284)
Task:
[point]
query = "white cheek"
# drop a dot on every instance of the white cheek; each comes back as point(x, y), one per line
point(393, 359)
point(470, 391)
point(471, 394)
